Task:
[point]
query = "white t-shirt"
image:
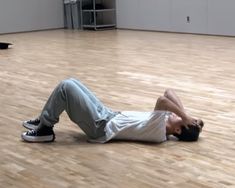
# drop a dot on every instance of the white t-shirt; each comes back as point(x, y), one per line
point(137, 126)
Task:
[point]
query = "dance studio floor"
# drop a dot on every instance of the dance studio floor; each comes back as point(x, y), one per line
point(127, 70)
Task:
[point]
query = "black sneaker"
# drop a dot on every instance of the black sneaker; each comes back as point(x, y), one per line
point(31, 124)
point(39, 135)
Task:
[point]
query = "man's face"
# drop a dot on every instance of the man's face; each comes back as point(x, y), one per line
point(178, 128)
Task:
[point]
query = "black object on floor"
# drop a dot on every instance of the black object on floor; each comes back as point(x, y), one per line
point(4, 45)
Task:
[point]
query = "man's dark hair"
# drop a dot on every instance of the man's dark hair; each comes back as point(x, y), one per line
point(190, 134)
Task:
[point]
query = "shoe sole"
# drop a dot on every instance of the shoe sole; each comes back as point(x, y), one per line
point(29, 126)
point(49, 138)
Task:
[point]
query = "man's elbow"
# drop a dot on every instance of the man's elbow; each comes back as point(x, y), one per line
point(161, 103)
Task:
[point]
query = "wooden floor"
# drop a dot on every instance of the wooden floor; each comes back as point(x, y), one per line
point(127, 70)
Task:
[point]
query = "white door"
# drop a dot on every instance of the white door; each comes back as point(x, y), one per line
point(127, 13)
point(154, 15)
point(221, 17)
point(189, 16)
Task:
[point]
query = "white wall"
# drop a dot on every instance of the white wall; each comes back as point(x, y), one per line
point(206, 16)
point(28, 15)
point(221, 17)
point(142, 14)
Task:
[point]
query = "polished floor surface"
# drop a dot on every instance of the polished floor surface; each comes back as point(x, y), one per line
point(127, 70)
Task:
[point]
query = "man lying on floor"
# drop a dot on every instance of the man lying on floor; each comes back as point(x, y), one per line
point(101, 124)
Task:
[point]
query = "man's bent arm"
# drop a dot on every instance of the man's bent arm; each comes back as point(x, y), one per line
point(165, 104)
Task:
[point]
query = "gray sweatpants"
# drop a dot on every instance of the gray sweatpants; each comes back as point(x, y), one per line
point(81, 105)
